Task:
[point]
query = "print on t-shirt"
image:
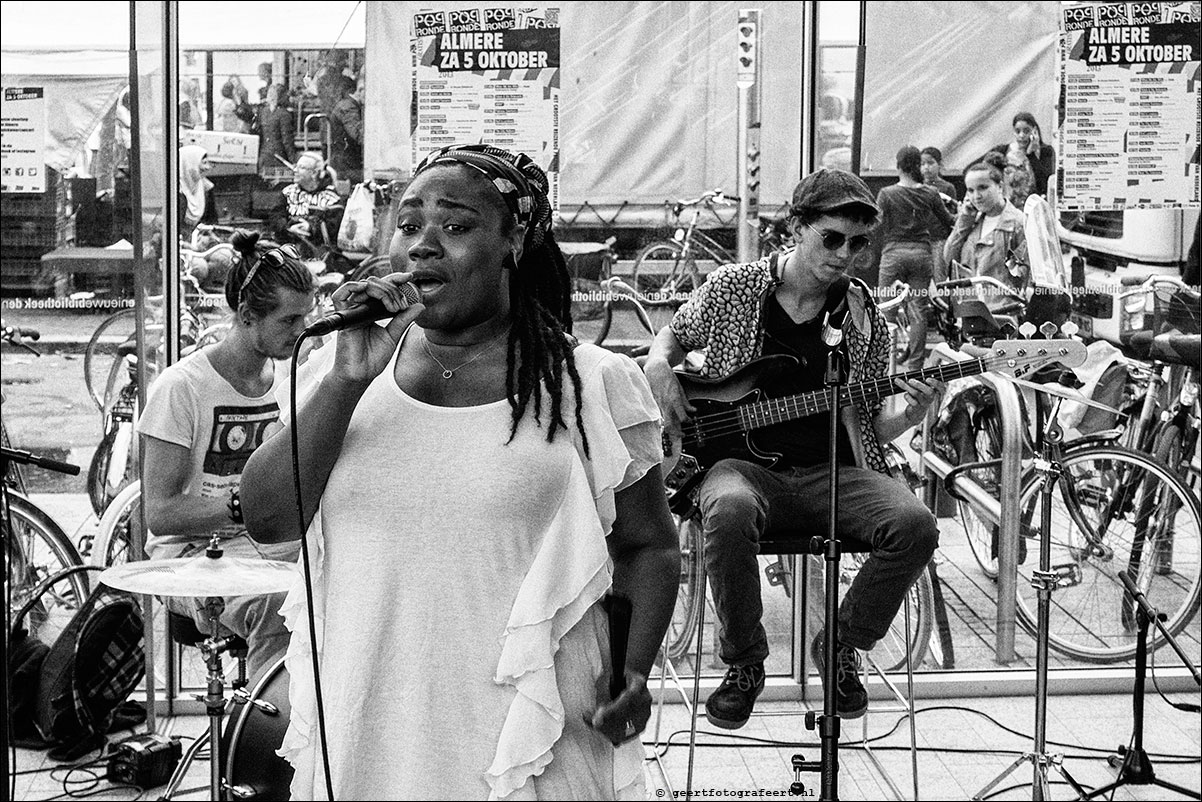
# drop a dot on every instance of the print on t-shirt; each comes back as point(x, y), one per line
point(237, 432)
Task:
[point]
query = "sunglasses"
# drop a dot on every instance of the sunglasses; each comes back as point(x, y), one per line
point(833, 240)
point(273, 258)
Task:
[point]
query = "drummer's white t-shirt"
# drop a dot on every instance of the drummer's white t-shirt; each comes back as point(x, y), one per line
point(193, 406)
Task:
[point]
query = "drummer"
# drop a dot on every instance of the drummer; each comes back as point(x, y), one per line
point(205, 416)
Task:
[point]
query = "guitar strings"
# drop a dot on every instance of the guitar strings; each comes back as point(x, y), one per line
point(718, 424)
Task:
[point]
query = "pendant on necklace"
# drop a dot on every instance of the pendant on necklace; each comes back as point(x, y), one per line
point(446, 374)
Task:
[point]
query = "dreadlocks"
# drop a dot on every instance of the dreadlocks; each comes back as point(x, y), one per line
point(539, 287)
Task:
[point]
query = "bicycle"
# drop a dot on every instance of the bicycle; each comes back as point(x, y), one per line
point(1166, 369)
point(1115, 509)
point(890, 652)
point(36, 549)
point(103, 377)
point(667, 268)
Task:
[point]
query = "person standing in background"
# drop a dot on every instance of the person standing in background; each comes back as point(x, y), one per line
point(932, 172)
point(932, 176)
point(346, 133)
point(225, 116)
point(1028, 139)
point(191, 112)
point(277, 136)
point(912, 216)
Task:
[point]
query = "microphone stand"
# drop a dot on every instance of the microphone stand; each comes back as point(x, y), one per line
point(1045, 580)
point(828, 723)
point(1134, 766)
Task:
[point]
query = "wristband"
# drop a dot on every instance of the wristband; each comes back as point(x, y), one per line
point(234, 505)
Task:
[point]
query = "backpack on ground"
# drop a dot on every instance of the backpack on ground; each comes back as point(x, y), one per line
point(85, 676)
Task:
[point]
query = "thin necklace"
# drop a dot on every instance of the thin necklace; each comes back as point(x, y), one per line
point(447, 373)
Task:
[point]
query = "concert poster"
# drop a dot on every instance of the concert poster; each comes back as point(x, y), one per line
point(489, 75)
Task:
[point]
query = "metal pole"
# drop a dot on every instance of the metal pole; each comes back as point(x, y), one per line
point(857, 133)
point(171, 269)
point(138, 533)
point(748, 144)
point(809, 78)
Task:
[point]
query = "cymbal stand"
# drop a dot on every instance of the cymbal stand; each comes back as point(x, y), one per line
point(1045, 580)
point(214, 697)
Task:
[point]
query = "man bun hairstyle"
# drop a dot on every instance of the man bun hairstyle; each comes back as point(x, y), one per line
point(260, 270)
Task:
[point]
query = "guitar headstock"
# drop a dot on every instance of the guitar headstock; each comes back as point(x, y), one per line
point(1022, 357)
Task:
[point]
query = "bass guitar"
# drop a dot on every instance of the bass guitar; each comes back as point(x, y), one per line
point(730, 410)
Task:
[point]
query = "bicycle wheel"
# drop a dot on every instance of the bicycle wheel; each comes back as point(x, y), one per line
point(1176, 447)
point(1113, 509)
point(114, 534)
point(112, 467)
point(683, 627)
point(102, 367)
point(662, 270)
point(38, 548)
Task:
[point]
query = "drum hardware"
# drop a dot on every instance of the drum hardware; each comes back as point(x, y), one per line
point(243, 697)
point(211, 576)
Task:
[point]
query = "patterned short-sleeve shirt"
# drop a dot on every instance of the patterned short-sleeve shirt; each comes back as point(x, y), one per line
point(725, 318)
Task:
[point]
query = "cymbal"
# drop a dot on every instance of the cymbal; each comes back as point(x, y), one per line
point(1060, 391)
point(202, 576)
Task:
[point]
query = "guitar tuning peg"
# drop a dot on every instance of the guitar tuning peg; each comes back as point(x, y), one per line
point(1047, 329)
point(1026, 330)
point(1069, 328)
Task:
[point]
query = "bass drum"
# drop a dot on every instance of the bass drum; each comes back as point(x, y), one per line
point(252, 736)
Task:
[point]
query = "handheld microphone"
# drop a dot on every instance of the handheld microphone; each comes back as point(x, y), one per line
point(368, 312)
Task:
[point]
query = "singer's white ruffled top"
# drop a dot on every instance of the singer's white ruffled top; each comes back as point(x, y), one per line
point(456, 580)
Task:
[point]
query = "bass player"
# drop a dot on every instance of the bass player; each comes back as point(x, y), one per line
point(780, 305)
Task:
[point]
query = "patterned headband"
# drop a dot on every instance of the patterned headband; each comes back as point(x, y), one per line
point(522, 183)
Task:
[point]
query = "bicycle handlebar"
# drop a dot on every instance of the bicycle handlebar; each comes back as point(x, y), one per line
point(26, 458)
point(714, 196)
point(969, 281)
point(15, 334)
point(1146, 283)
point(903, 294)
point(221, 246)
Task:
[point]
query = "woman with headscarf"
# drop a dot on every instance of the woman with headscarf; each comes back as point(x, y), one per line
point(458, 578)
point(195, 206)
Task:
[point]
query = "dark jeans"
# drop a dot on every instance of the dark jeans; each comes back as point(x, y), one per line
point(740, 500)
point(912, 264)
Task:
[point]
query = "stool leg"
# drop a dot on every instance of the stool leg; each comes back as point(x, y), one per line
point(185, 763)
point(910, 702)
point(688, 788)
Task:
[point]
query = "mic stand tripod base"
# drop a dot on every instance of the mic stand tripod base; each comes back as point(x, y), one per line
point(1135, 767)
point(1048, 469)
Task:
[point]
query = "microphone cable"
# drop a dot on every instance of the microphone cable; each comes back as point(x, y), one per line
point(300, 518)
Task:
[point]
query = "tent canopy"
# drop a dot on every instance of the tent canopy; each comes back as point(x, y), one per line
point(104, 25)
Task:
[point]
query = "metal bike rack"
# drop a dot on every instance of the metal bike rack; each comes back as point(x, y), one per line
point(992, 510)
